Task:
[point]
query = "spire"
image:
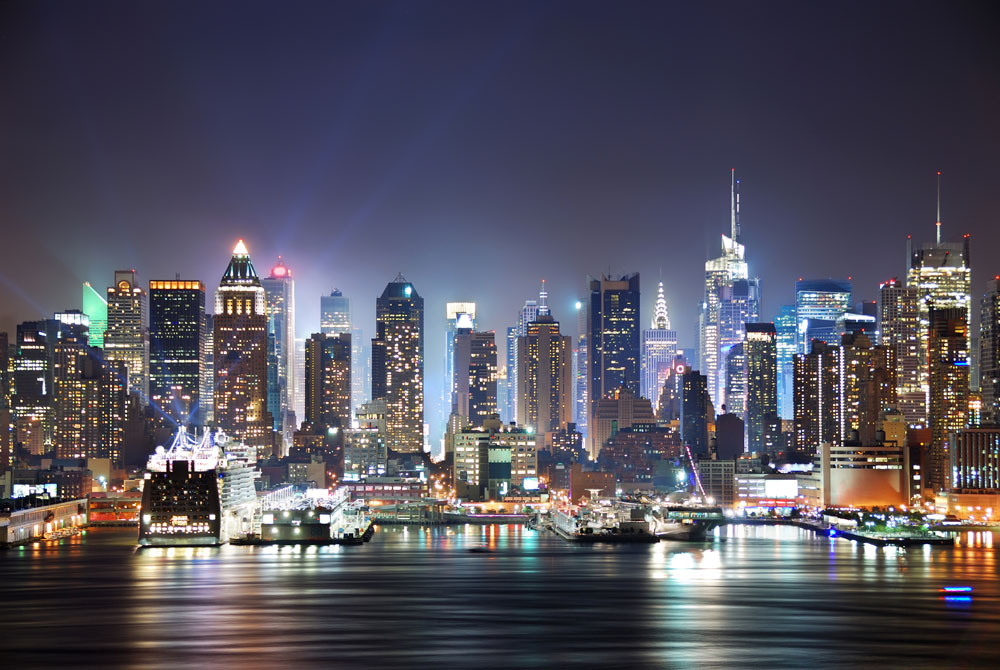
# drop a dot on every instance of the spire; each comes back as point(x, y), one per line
point(661, 320)
point(241, 249)
point(734, 207)
point(543, 301)
point(938, 208)
point(240, 269)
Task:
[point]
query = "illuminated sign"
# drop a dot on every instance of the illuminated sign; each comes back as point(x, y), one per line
point(178, 520)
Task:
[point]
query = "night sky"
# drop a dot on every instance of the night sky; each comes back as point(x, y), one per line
point(479, 147)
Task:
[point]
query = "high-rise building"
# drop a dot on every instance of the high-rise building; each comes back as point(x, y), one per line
point(207, 399)
point(335, 313)
point(732, 299)
point(736, 380)
point(279, 291)
point(398, 363)
point(544, 376)
point(619, 411)
point(457, 315)
point(32, 380)
point(177, 349)
point(817, 397)
point(989, 352)
point(941, 274)
point(819, 304)
point(786, 334)
point(613, 352)
point(95, 306)
point(659, 346)
point(127, 336)
point(474, 369)
point(696, 412)
point(581, 375)
point(328, 379)
point(508, 404)
point(528, 313)
point(867, 386)
point(240, 354)
point(948, 377)
point(761, 353)
point(899, 324)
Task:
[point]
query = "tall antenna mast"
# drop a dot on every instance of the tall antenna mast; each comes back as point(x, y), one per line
point(939, 207)
point(734, 207)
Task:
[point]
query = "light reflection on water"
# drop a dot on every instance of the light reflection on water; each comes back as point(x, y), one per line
point(503, 596)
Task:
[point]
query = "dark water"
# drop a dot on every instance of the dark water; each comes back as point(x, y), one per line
point(761, 598)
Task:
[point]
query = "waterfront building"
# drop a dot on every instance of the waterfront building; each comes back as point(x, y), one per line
point(948, 378)
point(95, 306)
point(862, 474)
point(279, 292)
point(899, 325)
point(786, 334)
point(819, 305)
point(127, 336)
point(240, 327)
point(659, 346)
point(493, 460)
point(177, 349)
point(989, 352)
point(328, 380)
point(718, 478)
point(475, 376)
point(632, 454)
point(398, 364)
point(613, 336)
point(975, 461)
point(761, 354)
point(544, 376)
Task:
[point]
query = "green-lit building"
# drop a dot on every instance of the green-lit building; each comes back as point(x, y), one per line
point(95, 306)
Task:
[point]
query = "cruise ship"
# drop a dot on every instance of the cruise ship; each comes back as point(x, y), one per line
point(200, 491)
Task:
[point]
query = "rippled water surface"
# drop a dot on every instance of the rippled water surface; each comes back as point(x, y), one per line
point(761, 597)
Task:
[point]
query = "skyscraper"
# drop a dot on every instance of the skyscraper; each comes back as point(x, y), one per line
point(695, 411)
point(240, 354)
point(948, 377)
point(31, 382)
point(177, 349)
point(398, 363)
point(732, 299)
point(736, 380)
point(95, 307)
point(279, 291)
point(817, 397)
point(335, 313)
point(613, 354)
point(457, 315)
point(819, 304)
point(899, 331)
point(867, 386)
point(989, 351)
point(659, 346)
point(528, 313)
point(328, 379)
point(544, 376)
point(786, 333)
point(475, 376)
point(207, 400)
point(336, 317)
point(127, 336)
point(581, 373)
point(761, 354)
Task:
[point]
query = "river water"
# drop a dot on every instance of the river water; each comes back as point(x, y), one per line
point(501, 597)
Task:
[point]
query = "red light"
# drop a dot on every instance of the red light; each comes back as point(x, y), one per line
point(939, 173)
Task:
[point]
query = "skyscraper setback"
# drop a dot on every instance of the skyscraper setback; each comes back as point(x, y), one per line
point(240, 354)
point(398, 363)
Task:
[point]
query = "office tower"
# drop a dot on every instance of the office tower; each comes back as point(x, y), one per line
point(398, 363)
point(618, 411)
point(127, 336)
point(279, 292)
point(31, 382)
point(613, 337)
point(732, 298)
point(899, 331)
point(207, 399)
point(528, 313)
point(761, 353)
point(867, 386)
point(817, 397)
point(659, 346)
point(95, 306)
point(785, 339)
point(335, 313)
point(177, 349)
point(508, 403)
point(819, 304)
point(475, 376)
point(948, 382)
point(240, 354)
point(544, 376)
point(328, 380)
point(581, 409)
point(989, 352)
point(299, 391)
point(89, 396)
point(696, 412)
point(457, 315)
point(941, 274)
point(736, 380)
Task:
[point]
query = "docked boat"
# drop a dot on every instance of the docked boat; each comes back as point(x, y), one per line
point(685, 522)
point(198, 492)
point(596, 522)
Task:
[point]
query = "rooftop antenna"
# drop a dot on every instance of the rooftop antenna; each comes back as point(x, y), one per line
point(543, 301)
point(939, 207)
point(734, 206)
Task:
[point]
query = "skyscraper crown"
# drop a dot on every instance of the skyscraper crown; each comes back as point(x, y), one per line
point(240, 270)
